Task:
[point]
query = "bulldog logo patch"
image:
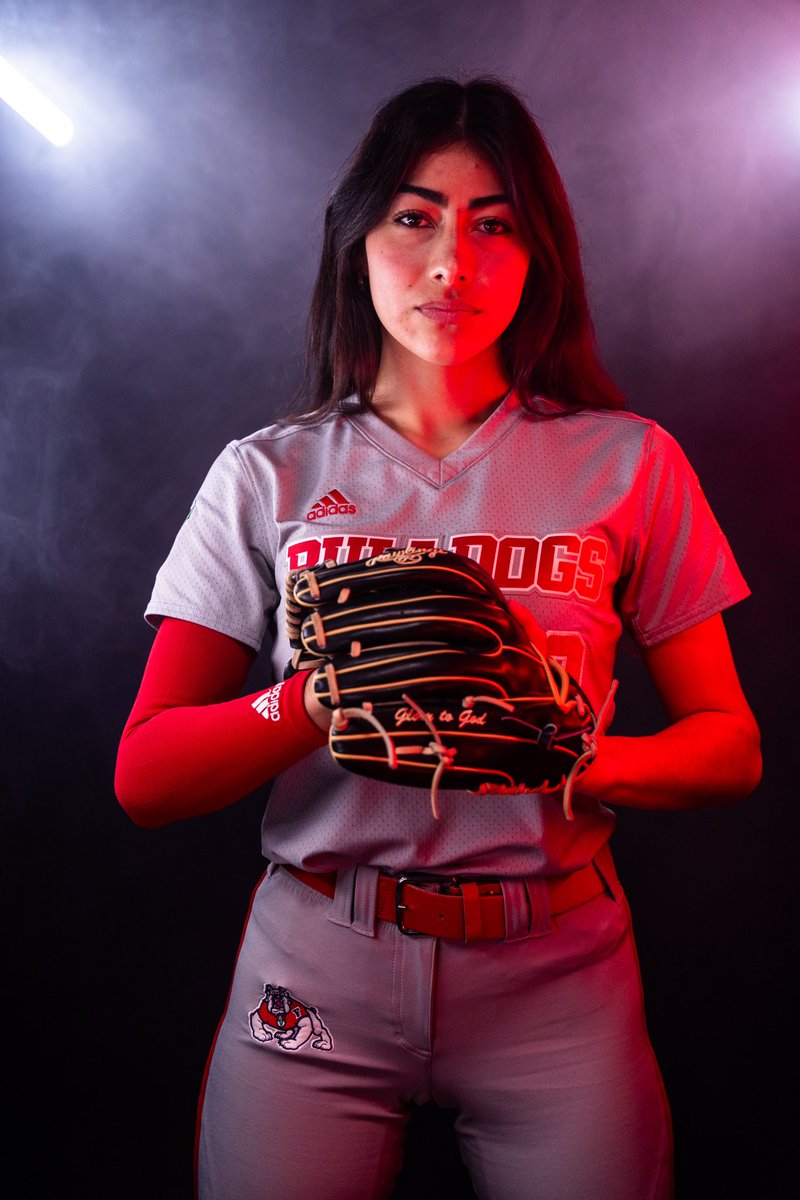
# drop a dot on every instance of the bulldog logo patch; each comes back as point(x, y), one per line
point(281, 1018)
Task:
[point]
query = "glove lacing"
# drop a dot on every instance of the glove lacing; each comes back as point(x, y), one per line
point(560, 695)
point(341, 717)
point(437, 746)
point(446, 755)
point(589, 740)
point(589, 754)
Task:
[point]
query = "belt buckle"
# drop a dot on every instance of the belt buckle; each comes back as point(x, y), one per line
point(414, 877)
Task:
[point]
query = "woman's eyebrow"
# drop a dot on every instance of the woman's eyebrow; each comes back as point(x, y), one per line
point(441, 200)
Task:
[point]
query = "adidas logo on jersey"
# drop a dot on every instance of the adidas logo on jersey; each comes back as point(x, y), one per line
point(332, 504)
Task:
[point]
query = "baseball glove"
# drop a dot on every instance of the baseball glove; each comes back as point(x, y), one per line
point(432, 679)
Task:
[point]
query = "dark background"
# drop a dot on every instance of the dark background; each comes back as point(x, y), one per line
point(154, 279)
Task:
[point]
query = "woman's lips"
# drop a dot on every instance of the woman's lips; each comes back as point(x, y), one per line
point(447, 314)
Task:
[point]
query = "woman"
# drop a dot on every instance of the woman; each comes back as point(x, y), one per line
point(452, 386)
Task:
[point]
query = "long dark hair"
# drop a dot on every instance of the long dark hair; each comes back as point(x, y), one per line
point(549, 348)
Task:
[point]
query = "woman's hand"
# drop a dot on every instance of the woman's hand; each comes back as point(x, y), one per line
point(709, 754)
point(319, 714)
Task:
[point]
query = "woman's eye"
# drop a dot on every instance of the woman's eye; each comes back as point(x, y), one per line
point(494, 225)
point(412, 220)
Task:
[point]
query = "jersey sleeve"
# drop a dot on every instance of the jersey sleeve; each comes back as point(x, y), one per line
point(220, 570)
point(682, 570)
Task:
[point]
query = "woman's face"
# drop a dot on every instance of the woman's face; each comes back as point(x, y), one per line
point(447, 263)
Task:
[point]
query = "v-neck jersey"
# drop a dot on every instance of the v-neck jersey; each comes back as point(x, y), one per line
point(594, 520)
point(440, 471)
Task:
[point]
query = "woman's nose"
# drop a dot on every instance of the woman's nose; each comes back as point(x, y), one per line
point(451, 262)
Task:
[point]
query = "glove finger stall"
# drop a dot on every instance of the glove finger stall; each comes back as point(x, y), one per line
point(427, 671)
point(398, 573)
point(451, 620)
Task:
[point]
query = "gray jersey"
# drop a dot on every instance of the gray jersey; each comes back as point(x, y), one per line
point(594, 520)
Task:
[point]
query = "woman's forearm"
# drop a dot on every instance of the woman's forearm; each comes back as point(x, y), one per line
point(702, 759)
point(192, 743)
point(183, 762)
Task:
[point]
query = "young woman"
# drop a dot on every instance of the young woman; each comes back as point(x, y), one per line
point(454, 399)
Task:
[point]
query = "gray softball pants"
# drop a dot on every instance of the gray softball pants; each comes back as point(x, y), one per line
point(336, 1022)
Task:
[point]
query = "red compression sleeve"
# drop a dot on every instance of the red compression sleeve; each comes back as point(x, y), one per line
point(192, 744)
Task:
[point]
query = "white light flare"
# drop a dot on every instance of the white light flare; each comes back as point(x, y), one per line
point(33, 106)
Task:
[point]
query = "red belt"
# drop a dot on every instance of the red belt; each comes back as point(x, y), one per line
point(464, 909)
